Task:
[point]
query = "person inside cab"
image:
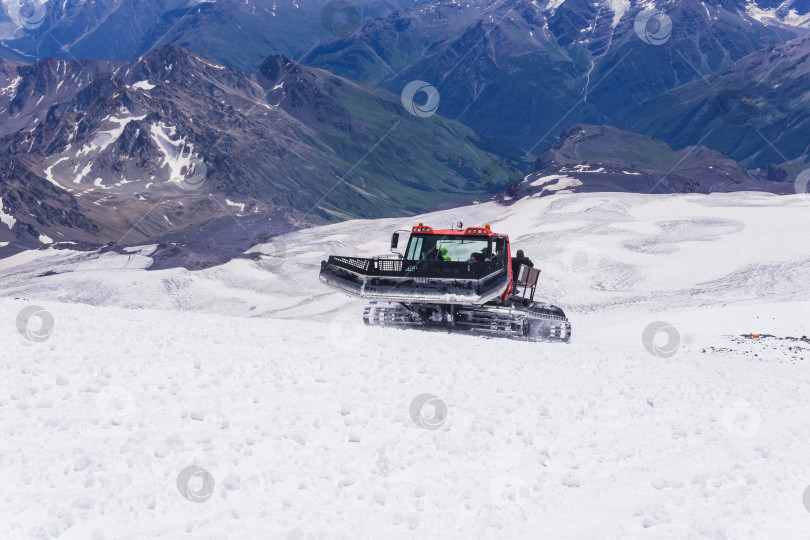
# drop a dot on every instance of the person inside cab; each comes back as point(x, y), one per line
point(517, 260)
point(485, 255)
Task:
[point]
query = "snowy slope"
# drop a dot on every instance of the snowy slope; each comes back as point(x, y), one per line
point(304, 424)
point(600, 254)
point(306, 433)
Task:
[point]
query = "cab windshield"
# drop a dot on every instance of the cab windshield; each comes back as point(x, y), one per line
point(448, 248)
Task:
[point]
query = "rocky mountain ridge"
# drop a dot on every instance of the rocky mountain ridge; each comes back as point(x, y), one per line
point(173, 141)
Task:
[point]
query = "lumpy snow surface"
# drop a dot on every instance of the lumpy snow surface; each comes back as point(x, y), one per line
point(248, 401)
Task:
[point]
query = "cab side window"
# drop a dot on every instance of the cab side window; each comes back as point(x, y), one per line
point(415, 249)
point(500, 250)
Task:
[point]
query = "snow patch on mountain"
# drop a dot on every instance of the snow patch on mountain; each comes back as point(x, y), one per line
point(143, 85)
point(553, 182)
point(239, 205)
point(105, 138)
point(11, 88)
point(8, 219)
point(619, 8)
point(49, 172)
point(782, 14)
point(84, 172)
point(178, 155)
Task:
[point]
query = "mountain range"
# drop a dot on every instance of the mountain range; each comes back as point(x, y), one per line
point(755, 111)
point(126, 152)
point(235, 33)
point(587, 158)
point(200, 125)
point(522, 71)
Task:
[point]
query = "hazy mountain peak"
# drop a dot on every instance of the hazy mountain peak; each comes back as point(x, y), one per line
point(277, 66)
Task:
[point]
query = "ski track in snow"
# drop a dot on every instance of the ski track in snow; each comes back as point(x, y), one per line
point(301, 414)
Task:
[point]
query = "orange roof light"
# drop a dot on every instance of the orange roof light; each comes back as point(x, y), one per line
point(486, 226)
point(420, 223)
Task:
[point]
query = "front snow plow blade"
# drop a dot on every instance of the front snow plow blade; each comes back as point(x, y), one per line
point(401, 280)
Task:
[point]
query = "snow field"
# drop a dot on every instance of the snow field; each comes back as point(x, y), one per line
point(302, 416)
point(600, 254)
point(306, 430)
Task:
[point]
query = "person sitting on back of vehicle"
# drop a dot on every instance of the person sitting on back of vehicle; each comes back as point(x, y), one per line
point(517, 260)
